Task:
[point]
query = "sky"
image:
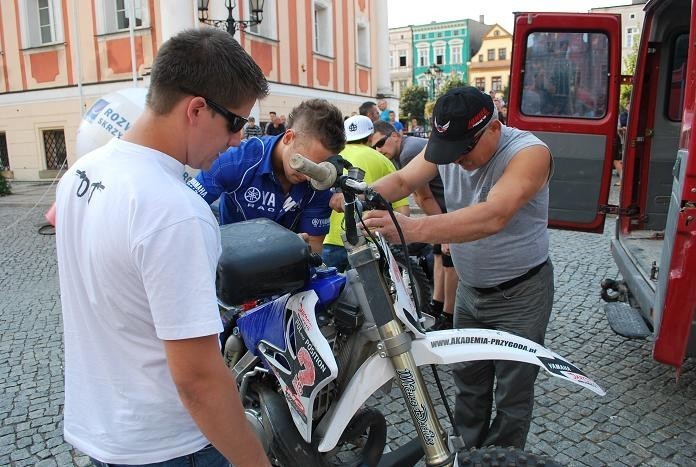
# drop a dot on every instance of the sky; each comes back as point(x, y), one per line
point(405, 12)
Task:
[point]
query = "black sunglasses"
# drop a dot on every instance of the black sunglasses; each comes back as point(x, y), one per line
point(381, 142)
point(235, 122)
point(474, 141)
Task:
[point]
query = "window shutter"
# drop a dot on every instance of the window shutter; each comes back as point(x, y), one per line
point(109, 16)
point(32, 21)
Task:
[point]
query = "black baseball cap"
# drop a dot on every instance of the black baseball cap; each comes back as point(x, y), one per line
point(458, 116)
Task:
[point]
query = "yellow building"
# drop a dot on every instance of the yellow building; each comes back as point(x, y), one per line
point(57, 57)
point(489, 69)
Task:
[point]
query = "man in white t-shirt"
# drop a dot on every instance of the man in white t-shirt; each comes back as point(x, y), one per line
point(137, 251)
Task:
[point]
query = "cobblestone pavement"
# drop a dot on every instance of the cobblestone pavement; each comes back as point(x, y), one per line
point(646, 418)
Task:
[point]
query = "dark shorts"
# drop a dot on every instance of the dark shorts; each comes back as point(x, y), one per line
point(446, 259)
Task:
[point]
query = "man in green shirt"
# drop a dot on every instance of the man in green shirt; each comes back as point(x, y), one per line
point(375, 165)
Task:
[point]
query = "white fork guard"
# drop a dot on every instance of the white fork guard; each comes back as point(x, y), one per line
point(442, 348)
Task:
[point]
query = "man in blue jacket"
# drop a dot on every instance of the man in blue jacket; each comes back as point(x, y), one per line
point(255, 179)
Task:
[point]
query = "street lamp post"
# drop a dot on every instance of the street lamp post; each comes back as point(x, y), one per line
point(230, 24)
point(433, 74)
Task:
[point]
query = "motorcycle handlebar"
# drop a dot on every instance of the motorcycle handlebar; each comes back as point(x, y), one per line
point(323, 175)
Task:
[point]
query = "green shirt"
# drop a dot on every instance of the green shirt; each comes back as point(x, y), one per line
point(375, 166)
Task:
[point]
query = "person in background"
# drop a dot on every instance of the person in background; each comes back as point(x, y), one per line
point(503, 115)
point(431, 199)
point(145, 382)
point(621, 130)
point(383, 110)
point(252, 129)
point(370, 110)
point(275, 127)
point(496, 181)
point(398, 126)
point(416, 128)
point(358, 130)
point(255, 180)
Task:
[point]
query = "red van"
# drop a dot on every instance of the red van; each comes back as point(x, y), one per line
point(565, 85)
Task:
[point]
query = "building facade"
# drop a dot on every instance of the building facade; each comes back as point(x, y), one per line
point(490, 64)
point(400, 59)
point(59, 56)
point(632, 17)
point(448, 46)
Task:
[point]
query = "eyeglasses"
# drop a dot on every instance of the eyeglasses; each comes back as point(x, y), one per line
point(474, 141)
point(381, 142)
point(235, 122)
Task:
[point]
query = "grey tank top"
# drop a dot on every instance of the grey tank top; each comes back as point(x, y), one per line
point(523, 243)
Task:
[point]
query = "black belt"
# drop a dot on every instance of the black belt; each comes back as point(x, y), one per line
point(512, 282)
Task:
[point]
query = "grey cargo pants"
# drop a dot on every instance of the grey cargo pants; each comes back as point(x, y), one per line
point(523, 310)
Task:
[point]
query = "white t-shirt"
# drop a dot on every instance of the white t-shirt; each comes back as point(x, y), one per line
point(137, 253)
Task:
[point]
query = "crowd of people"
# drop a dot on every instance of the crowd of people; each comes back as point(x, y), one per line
point(137, 260)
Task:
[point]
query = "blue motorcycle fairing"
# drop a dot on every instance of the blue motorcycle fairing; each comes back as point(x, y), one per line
point(267, 321)
point(328, 285)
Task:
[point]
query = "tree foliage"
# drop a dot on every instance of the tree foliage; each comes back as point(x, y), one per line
point(629, 69)
point(452, 81)
point(412, 103)
point(4, 186)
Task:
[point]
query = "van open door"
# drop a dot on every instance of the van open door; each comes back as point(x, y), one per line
point(564, 87)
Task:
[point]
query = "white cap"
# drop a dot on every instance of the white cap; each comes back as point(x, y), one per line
point(358, 127)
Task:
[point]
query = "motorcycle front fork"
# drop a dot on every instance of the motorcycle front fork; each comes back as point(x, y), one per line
point(395, 344)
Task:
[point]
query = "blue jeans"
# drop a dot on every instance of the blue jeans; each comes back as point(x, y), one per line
point(206, 457)
point(335, 256)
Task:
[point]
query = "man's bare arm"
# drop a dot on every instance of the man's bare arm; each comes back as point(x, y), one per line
point(405, 181)
point(209, 393)
point(524, 176)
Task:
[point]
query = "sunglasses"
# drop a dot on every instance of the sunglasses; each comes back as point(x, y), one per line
point(235, 122)
point(381, 142)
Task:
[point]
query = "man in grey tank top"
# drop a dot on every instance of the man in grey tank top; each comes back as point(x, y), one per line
point(431, 198)
point(496, 194)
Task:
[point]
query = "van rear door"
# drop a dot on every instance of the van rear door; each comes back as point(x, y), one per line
point(564, 87)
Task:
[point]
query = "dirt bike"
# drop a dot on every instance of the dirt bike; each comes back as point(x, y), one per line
point(307, 360)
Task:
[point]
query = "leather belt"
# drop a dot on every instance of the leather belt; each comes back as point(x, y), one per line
point(512, 282)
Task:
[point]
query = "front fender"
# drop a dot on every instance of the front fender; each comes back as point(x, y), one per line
point(444, 347)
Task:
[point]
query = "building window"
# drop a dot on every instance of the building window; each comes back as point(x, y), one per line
point(497, 83)
point(402, 58)
point(456, 54)
point(439, 55)
point(54, 149)
point(4, 156)
point(631, 37)
point(632, 16)
point(41, 22)
point(323, 39)
point(403, 84)
point(502, 54)
point(115, 15)
point(481, 83)
point(269, 26)
point(455, 32)
point(423, 59)
point(559, 84)
point(491, 54)
point(480, 58)
point(496, 33)
point(363, 45)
